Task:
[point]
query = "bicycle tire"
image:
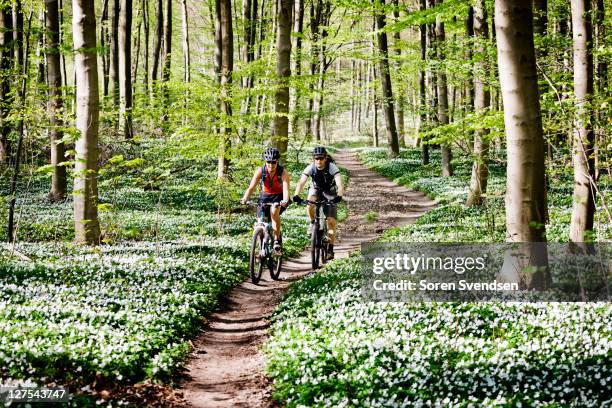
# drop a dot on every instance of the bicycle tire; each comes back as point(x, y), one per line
point(314, 247)
point(255, 261)
point(275, 265)
point(323, 246)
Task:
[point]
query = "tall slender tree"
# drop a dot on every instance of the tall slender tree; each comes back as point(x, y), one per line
point(296, 69)
point(186, 52)
point(283, 72)
point(447, 169)
point(401, 131)
point(525, 193)
point(525, 198)
point(125, 69)
point(385, 79)
point(167, 61)
point(145, 57)
point(86, 224)
point(482, 99)
point(224, 57)
point(157, 39)
point(114, 52)
point(6, 65)
point(54, 105)
point(105, 54)
point(583, 209)
point(422, 95)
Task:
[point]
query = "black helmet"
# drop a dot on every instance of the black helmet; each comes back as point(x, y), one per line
point(271, 153)
point(318, 151)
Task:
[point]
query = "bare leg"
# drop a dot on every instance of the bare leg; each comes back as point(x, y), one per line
point(311, 208)
point(331, 229)
point(276, 223)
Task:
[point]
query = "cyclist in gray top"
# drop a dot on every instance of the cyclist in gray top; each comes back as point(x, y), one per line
point(326, 183)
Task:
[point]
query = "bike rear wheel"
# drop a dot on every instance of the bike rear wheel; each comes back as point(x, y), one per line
point(314, 247)
point(257, 250)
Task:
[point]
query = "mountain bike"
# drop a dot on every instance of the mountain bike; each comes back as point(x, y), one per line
point(262, 253)
point(318, 237)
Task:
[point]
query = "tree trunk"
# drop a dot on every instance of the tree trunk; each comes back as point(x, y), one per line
point(145, 59)
point(359, 93)
point(447, 169)
point(63, 55)
point(525, 194)
point(186, 55)
point(225, 58)
point(157, 39)
point(375, 109)
point(125, 69)
point(469, 33)
point(54, 105)
point(385, 81)
point(18, 27)
point(422, 95)
point(540, 21)
point(283, 72)
point(315, 22)
point(86, 225)
point(106, 52)
point(40, 49)
point(167, 61)
point(298, 28)
point(482, 99)
point(602, 155)
point(6, 97)
point(20, 131)
point(583, 209)
point(114, 53)
point(401, 131)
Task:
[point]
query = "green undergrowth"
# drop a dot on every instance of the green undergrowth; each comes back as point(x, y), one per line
point(329, 347)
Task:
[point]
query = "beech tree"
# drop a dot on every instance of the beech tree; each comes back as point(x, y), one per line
point(482, 97)
point(385, 80)
point(283, 72)
point(6, 64)
point(54, 105)
point(224, 65)
point(125, 69)
point(86, 224)
point(447, 169)
point(525, 193)
point(583, 209)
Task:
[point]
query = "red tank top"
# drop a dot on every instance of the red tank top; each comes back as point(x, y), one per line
point(271, 183)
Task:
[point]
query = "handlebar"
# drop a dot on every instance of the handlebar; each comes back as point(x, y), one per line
point(251, 203)
point(319, 202)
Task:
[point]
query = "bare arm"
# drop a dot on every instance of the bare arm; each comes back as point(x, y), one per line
point(338, 179)
point(253, 185)
point(300, 185)
point(286, 180)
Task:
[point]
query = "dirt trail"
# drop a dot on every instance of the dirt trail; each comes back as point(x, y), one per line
point(226, 368)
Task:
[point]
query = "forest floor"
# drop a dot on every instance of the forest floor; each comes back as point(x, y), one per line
point(226, 368)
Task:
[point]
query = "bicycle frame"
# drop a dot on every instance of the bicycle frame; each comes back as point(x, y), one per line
point(262, 239)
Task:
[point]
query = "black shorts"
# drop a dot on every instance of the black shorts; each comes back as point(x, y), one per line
point(330, 210)
point(268, 198)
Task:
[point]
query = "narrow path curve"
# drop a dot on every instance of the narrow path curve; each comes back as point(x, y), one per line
point(226, 368)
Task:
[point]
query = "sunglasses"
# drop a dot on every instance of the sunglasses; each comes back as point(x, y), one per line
point(320, 158)
point(271, 162)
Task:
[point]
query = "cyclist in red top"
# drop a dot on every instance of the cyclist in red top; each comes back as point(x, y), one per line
point(274, 182)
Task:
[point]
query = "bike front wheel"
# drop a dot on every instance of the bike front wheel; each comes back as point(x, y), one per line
point(315, 250)
point(257, 253)
point(274, 265)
